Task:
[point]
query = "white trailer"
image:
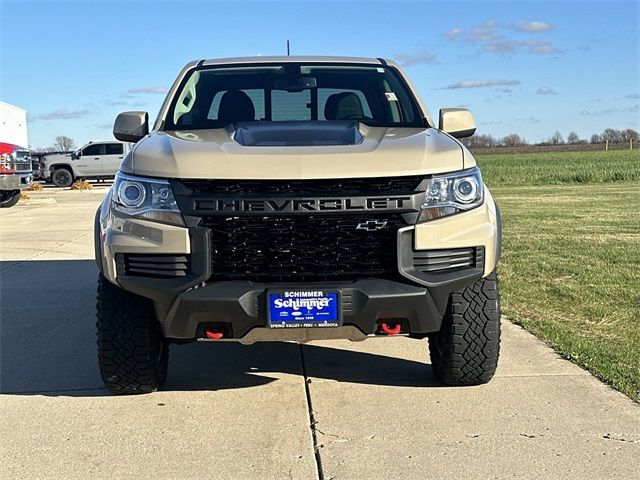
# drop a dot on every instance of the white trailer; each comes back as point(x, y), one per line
point(13, 125)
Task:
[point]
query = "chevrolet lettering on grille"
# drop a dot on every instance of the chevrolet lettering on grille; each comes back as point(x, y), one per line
point(235, 205)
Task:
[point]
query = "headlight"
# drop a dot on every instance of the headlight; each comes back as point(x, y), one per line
point(147, 198)
point(449, 194)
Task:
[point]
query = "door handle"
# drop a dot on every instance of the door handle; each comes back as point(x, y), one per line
point(120, 158)
point(96, 158)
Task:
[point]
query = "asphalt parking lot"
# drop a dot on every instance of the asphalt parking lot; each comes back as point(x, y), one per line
point(275, 410)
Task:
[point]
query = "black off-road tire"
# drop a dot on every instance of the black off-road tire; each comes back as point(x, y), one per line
point(132, 353)
point(465, 351)
point(12, 201)
point(62, 177)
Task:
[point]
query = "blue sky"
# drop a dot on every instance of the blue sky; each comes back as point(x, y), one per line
point(522, 67)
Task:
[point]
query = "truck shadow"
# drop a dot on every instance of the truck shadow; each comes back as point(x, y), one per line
point(48, 344)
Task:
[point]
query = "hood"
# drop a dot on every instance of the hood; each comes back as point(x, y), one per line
point(215, 154)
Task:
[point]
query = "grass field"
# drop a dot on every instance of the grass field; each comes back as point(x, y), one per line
point(570, 268)
point(562, 167)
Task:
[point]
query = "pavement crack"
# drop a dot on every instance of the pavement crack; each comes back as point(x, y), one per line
point(311, 417)
point(608, 436)
point(338, 438)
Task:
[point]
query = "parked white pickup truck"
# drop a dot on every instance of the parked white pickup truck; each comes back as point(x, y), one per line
point(96, 160)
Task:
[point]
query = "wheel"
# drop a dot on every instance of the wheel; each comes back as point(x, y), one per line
point(465, 351)
point(132, 353)
point(62, 177)
point(11, 200)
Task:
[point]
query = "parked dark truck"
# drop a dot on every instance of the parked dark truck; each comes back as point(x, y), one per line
point(296, 199)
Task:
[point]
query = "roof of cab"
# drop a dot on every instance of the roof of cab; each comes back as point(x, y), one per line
point(291, 59)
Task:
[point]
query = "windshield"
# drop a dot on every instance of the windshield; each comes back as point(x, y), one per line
point(216, 97)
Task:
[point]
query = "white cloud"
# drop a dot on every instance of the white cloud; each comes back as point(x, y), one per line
point(454, 33)
point(502, 46)
point(540, 47)
point(61, 114)
point(546, 91)
point(482, 83)
point(134, 92)
point(409, 59)
point(532, 26)
point(146, 90)
point(115, 103)
point(484, 32)
point(492, 38)
point(527, 120)
point(611, 111)
point(633, 95)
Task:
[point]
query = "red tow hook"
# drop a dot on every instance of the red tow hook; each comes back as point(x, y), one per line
point(391, 330)
point(214, 333)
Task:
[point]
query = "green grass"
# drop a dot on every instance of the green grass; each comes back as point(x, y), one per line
point(561, 167)
point(570, 268)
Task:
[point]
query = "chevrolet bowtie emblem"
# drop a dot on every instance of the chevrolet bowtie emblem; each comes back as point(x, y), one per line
point(372, 225)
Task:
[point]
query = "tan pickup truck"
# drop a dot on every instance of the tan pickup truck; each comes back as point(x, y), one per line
point(296, 199)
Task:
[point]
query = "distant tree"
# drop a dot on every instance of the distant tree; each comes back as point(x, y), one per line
point(556, 139)
point(489, 141)
point(629, 134)
point(595, 138)
point(512, 140)
point(573, 138)
point(613, 135)
point(63, 143)
point(480, 141)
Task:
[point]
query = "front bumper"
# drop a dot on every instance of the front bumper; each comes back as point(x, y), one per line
point(186, 304)
point(9, 182)
point(240, 307)
point(16, 181)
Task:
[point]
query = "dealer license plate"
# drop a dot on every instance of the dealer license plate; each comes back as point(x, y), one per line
point(303, 308)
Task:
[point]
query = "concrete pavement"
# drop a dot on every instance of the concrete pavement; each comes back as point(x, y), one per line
point(369, 410)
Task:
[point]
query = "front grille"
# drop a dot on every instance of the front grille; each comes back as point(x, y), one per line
point(303, 247)
point(429, 261)
point(158, 266)
point(18, 166)
point(23, 167)
point(302, 188)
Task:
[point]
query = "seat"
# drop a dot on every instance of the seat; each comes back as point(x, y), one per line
point(236, 106)
point(343, 106)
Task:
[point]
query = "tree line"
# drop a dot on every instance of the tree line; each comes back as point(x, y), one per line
point(62, 143)
point(514, 140)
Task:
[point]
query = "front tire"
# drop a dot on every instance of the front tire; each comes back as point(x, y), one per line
point(465, 351)
point(62, 177)
point(11, 201)
point(132, 353)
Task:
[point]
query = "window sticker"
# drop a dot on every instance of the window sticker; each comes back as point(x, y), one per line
point(380, 70)
point(391, 97)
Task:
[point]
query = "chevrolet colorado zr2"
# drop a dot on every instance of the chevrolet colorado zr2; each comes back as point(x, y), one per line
point(296, 199)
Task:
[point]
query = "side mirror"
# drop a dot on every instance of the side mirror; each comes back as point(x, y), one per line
point(457, 122)
point(75, 155)
point(131, 126)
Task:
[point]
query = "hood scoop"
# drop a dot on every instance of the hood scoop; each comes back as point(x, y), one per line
point(296, 134)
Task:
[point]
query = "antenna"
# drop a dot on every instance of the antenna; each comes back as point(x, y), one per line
point(288, 52)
